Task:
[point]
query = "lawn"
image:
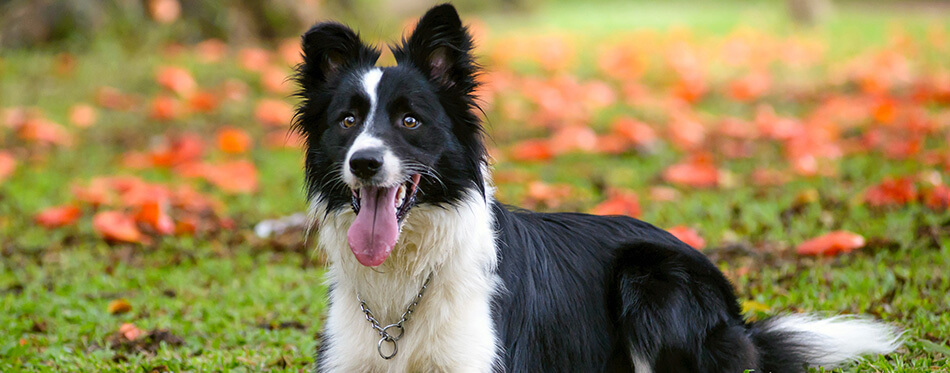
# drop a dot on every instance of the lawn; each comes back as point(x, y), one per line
point(748, 134)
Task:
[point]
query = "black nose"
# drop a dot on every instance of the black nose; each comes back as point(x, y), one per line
point(365, 163)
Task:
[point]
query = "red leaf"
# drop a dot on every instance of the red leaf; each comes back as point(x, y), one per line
point(233, 140)
point(938, 198)
point(274, 112)
point(176, 79)
point(7, 164)
point(697, 171)
point(689, 236)
point(890, 192)
point(619, 202)
point(58, 216)
point(837, 242)
point(532, 150)
point(546, 194)
point(233, 177)
point(164, 108)
point(116, 226)
point(82, 115)
point(637, 132)
point(153, 213)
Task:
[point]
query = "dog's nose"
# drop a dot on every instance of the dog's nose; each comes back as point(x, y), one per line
point(365, 163)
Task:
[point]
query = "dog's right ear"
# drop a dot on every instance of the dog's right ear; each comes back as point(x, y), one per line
point(329, 48)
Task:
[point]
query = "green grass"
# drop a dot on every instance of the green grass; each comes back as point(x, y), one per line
point(226, 294)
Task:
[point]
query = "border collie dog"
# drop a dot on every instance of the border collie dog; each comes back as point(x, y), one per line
point(428, 272)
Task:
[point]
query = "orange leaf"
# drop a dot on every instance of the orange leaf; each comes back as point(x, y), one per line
point(119, 306)
point(211, 50)
point(203, 102)
point(532, 150)
point(891, 191)
point(82, 115)
point(689, 236)
point(178, 150)
point(45, 131)
point(254, 59)
point(176, 79)
point(164, 11)
point(233, 177)
point(152, 213)
point(837, 242)
point(283, 139)
point(274, 112)
point(290, 52)
point(938, 198)
point(546, 194)
point(113, 99)
point(233, 140)
point(116, 226)
point(130, 331)
point(637, 132)
point(750, 87)
point(697, 171)
point(58, 216)
point(275, 80)
point(7, 164)
point(619, 202)
point(573, 138)
point(164, 108)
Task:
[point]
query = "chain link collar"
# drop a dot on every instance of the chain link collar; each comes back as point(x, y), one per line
point(384, 331)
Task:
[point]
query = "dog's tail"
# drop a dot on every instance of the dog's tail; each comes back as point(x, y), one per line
point(788, 343)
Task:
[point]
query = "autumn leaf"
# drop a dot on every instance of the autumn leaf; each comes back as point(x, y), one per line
point(273, 112)
point(164, 11)
point(44, 131)
point(211, 50)
point(619, 202)
point(7, 164)
point(164, 108)
point(532, 150)
point(176, 79)
point(130, 332)
point(937, 198)
point(233, 177)
point(83, 115)
point(254, 59)
point(55, 217)
point(689, 236)
point(541, 193)
point(232, 140)
point(696, 171)
point(153, 214)
point(573, 138)
point(119, 306)
point(891, 192)
point(203, 102)
point(116, 226)
point(834, 243)
point(637, 132)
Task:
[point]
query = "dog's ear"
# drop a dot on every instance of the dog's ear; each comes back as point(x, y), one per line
point(441, 47)
point(329, 48)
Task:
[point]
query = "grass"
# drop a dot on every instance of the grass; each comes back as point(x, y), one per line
point(238, 303)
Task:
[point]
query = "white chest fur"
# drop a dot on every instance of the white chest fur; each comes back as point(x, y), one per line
point(451, 328)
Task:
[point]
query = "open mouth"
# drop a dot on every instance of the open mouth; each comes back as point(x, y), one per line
point(379, 211)
point(405, 196)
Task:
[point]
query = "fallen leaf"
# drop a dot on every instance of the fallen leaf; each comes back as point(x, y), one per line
point(164, 108)
point(116, 226)
point(233, 177)
point(232, 140)
point(55, 217)
point(697, 171)
point(120, 306)
point(689, 236)
point(532, 150)
point(164, 11)
point(130, 332)
point(834, 243)
point(203, 102)
point(176, 79)
point(153, 213)
point(541, 193)
point(83, 115)
point(7, 165)
point(618, 202)
point(273, 112)
point(891, 192)
point(938, 197)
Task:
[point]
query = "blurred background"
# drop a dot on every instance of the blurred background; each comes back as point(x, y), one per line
point(802, 145)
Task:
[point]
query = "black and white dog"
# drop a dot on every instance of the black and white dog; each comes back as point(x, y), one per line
point(428, 272)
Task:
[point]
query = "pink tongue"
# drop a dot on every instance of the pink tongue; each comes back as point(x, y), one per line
point(374, 232)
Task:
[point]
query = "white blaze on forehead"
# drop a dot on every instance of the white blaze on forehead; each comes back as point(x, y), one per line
point(391, 164)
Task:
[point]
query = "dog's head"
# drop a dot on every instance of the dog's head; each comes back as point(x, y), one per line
point(384, 139)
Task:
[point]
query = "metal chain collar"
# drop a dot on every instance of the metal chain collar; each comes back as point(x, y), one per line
point(384, 331)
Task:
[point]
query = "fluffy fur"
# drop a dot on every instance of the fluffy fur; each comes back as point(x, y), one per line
point(511, 290)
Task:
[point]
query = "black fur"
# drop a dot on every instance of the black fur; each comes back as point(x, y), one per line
point(581, 293)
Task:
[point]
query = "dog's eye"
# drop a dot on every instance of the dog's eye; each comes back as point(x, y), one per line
point(410, 122)
point(348, 122)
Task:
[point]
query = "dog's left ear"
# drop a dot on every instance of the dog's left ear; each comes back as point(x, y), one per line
point(441, 47)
